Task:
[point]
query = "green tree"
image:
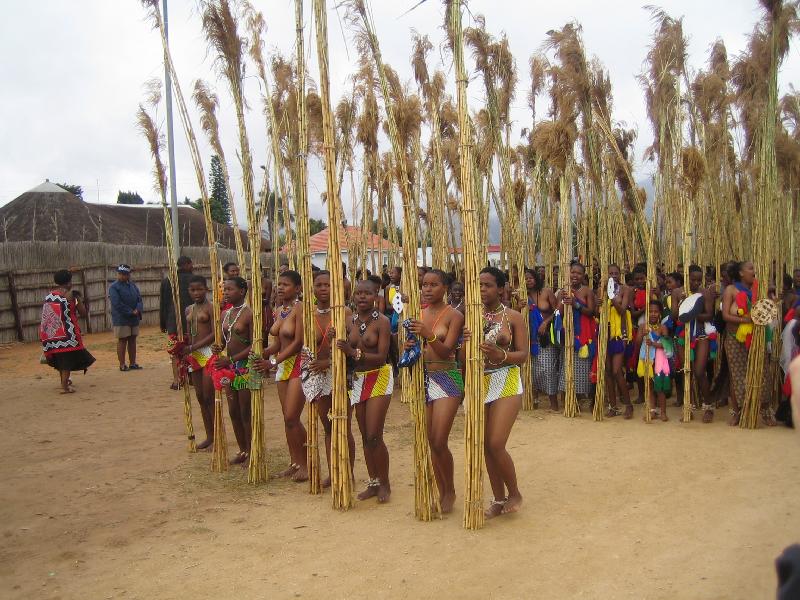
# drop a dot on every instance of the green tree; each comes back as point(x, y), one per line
point(75, 190)
point(195, 204)
point(220, 207)
point(316, 225)
point(129, 198)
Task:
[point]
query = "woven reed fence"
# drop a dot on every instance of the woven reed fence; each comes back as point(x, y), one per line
point(26, 276)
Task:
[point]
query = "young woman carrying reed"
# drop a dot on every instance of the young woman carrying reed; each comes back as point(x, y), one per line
point(545, 354)
point(318, 382)
point(367, 351)
point(504, 350)
point(198, 353)
point(703, 336)
point(620, 336)
point(737, 301)
point(287, 330)
point(232, 369)
point(580, 299)
point(440, 328)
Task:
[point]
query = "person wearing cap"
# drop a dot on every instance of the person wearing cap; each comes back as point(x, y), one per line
point(126, 313)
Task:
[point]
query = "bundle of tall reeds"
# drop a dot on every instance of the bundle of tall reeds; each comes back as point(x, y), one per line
point(403, 120)
point(770, 44)
point(219, 455)
point(473, 371)
point(220, 24)
point(341, 476)
point(155, 141)
point(303, 253)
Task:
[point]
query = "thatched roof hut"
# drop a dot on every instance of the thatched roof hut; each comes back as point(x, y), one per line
point(50, 213)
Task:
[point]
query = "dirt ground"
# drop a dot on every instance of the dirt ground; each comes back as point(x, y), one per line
point(100, 499)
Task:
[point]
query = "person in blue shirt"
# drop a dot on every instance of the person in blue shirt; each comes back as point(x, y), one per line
point(126, 313)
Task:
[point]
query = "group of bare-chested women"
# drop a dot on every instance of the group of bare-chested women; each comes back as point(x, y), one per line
point(371, 347)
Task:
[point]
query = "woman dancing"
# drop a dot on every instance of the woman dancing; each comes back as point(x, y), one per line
point(318, 382)
point(287, 330)
point(440, 328)
point(367, 346)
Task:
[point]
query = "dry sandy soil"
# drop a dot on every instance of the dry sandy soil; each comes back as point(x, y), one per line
point(100, 499)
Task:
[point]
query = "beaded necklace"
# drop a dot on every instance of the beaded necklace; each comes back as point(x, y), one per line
point(362, 327)
point(227, 324)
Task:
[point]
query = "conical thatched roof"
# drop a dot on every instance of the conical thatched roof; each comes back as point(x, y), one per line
point(50, 213)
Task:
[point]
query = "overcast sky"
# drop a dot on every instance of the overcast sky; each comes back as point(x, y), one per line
point(72, 75)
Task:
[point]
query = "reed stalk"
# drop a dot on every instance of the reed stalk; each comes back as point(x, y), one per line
point(148, 128)
point(220, 24)
point(341, 474)
point(219, 455)
point(473, 375)
point(426, 505)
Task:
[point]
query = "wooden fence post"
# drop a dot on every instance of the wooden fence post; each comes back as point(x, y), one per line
point(106, 308)
point(12, 294)
point(86, 301)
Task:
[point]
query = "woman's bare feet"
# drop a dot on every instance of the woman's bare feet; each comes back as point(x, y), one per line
point(68, 390)
point(734, 420)
point(612, 411)
point(206, 443)
point(239, 458)
point(495, 509)
point(628, 411)
point(512, 504)
point(326, 483)
point(384, 493)
point(370, 491)
point(289, 471)
point(708, 413)
point(664, 416)
point(300, 475)
point(768, 418)
point(554, 405)
point(447, 502)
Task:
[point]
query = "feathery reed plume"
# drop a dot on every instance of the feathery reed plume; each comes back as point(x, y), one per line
point(256, 25)
point(219, 459)
point(207, 102)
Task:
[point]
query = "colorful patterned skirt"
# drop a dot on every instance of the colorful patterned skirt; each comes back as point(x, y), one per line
point(501, 383)
point(582, 366)
point(372, 384)
point(443, 384)
point(241, 379)
point(198, 359)
point(289, 368)
point(316, 385)
point(546, 367)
